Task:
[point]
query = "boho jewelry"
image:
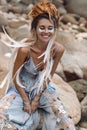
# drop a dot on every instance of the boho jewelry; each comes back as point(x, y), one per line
point(26, 103)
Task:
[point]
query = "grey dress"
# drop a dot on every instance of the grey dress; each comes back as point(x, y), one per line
point(23, 120)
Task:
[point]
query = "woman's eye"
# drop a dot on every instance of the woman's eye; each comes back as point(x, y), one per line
point(42, 28)
point(50, 28)
point(46, 29)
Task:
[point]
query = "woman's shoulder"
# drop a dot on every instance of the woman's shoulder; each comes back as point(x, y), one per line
point(24, 50)
point(59, 47)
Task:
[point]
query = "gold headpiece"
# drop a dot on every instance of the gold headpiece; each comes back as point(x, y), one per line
point(44, 7)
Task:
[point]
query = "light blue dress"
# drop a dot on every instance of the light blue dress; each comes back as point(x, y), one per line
point(23, 120)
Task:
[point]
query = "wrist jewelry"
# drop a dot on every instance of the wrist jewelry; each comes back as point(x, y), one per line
point(26, 103)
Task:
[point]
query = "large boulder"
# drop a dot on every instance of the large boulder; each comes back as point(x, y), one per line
point(80, 87)
point(68, 97)
point(77, 6)
point(74, 59)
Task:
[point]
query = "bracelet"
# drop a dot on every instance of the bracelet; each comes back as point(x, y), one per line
point(26, 103)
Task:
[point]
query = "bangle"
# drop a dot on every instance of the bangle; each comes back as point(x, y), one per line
point(26, 103)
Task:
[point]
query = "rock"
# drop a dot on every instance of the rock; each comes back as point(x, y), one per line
point(68, 18)
point(82, 35)
point(80, 87)
point(80, 128)
point(62, 10)
point(84, 113)
point(84, 101)
point(82, 20)
point(3, 2)
point(74, 59)
point(82, 29)
point(3, 49)
point(84, 125)
point(63, 26)
point(16, 9)
point(16, 23)
point(84, 108)
point(3, 20)
point(27, 2)
point(77, 6)
point(86, 25)
point(68, 97)
point(30, 6)
point(5, 8)
point(19, 33)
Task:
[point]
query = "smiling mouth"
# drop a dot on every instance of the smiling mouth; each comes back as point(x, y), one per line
point(45, 36)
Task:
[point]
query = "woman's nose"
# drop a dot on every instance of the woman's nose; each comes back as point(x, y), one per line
point(46, 30)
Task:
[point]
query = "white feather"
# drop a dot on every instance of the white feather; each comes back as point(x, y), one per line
point(4, 81)
point(14, 42)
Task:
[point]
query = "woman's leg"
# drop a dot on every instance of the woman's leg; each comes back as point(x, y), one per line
point(36, 120)
point(64, 121)
point(55, 115)
point(50, 122)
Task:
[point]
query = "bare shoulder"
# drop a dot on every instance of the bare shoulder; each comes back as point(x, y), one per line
point(24, 50)
point(23, 54)
point(59, 47)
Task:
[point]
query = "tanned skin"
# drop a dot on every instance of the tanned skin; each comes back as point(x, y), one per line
point(37, 49)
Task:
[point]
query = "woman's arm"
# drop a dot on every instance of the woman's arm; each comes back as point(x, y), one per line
point(58, 52)
point(20, 59)
point(23, 54)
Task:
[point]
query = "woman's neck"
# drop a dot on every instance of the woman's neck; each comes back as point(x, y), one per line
point(41, 46)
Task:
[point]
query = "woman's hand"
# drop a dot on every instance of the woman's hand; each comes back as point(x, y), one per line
point(27, 108)
point(34, 105)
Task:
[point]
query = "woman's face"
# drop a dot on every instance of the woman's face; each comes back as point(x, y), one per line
point(44, 30)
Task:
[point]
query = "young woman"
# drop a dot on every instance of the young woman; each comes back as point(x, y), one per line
point(31, 87)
